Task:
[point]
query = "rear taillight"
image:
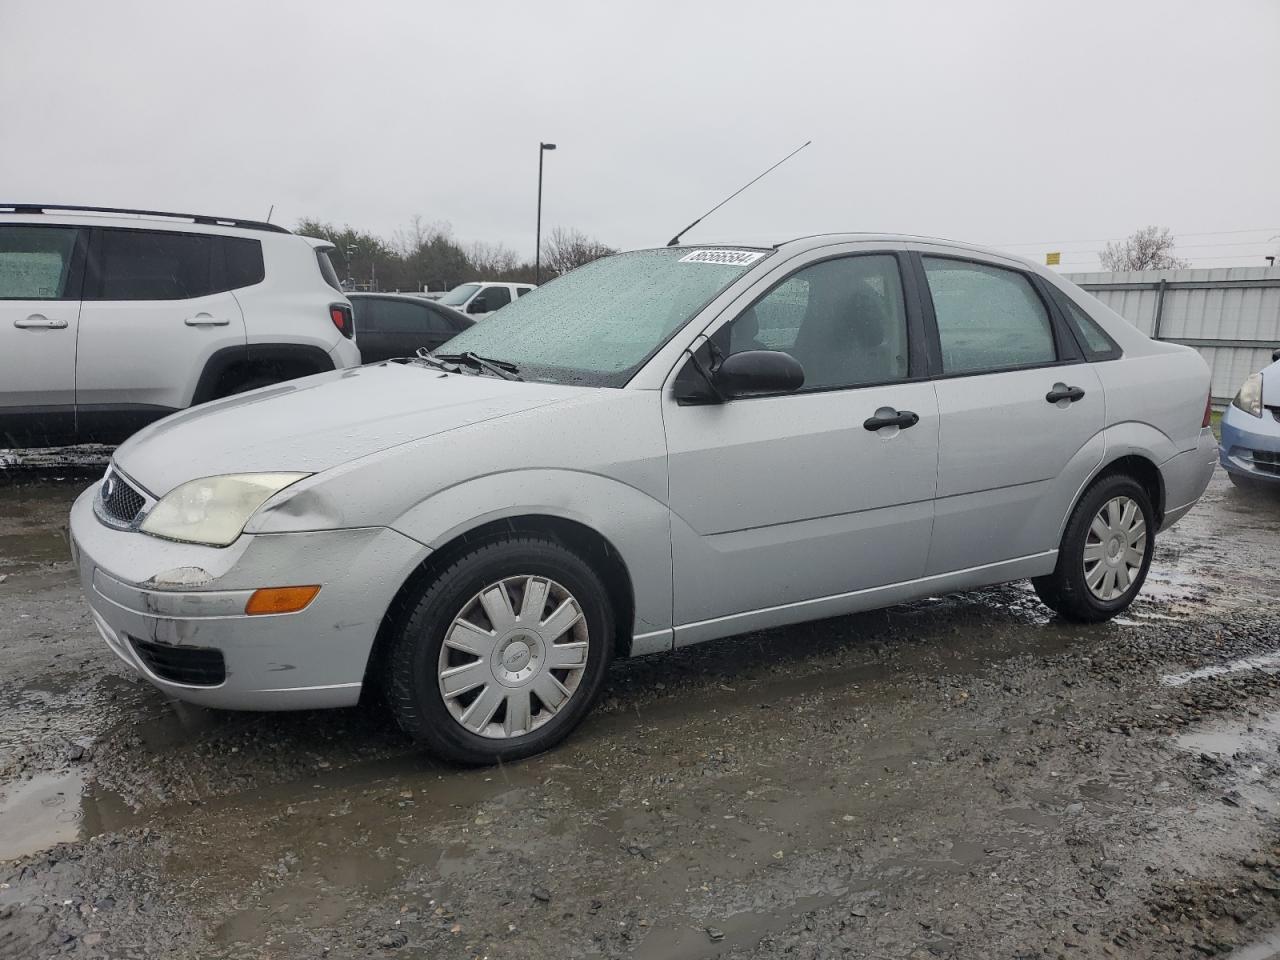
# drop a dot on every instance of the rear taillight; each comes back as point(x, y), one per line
point(340, 314)
point(1208, 412)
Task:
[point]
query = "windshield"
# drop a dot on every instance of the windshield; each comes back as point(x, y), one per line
point(460, 294)
point(597, 324)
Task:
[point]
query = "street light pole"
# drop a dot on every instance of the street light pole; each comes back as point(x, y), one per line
point(537, 253)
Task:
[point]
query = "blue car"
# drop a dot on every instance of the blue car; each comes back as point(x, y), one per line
point(1250, 449)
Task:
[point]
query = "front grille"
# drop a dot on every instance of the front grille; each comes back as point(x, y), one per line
point(1266, 461)
point(194, 666)
point(118, 500)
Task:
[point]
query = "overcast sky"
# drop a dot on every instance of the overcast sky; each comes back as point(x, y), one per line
point(1002, 122)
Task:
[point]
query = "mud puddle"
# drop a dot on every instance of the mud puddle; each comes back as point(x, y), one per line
point(40, 812)
point(1267, 948)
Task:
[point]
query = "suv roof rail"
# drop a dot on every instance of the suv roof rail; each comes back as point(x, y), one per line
point(28, 208)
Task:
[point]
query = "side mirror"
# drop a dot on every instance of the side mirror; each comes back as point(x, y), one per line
point(478, 305)
point(755, 372)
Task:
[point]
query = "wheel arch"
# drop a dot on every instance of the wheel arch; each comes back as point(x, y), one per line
point(230, 364)
point(587, 542)
point(1140, 466)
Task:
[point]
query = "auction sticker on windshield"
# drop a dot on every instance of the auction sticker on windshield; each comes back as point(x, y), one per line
point(737, 258)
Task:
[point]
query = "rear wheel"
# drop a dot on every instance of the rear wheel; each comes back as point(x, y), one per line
point(1104, 554)
point(503, 653)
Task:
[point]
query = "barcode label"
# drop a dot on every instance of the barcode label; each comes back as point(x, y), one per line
point(733, 258)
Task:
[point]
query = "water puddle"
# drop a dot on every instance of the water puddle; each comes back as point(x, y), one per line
point(40, 812)
point(1268, 662)
point(1228, 740)
point(738, 931)
point(1268, 948)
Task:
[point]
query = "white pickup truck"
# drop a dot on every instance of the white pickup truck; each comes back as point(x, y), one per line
point(479, 298)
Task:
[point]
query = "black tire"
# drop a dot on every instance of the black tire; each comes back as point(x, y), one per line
point(410, 676)
point(1065, 590)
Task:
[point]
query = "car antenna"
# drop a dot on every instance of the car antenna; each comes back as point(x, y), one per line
point(270, 212)
point(676, 239)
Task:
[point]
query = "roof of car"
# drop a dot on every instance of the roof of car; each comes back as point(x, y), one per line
point(812, 241)
point(82, 215)
point(411, 295)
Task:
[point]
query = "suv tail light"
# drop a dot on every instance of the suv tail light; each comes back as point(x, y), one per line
point(1208, 412)
point(340, 314)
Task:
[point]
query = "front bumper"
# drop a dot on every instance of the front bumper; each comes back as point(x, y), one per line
point(1251, 445)
point(148, 594)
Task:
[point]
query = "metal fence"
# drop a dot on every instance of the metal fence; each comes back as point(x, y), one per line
point(1231, 315)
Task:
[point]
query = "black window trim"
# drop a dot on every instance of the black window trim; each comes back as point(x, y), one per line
point(93, 277)
point(75, 268)
point(1066, 350)
point(917, 356)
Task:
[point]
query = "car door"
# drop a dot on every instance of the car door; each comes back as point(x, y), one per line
point(1021, 414)
point(798, 505)
point(489, 299)
point(156, 309)
point(397, 327)
point(41, 267)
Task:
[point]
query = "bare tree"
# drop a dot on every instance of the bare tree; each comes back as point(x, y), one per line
point(1150, 248)
point(492, 259)
point(566, 248)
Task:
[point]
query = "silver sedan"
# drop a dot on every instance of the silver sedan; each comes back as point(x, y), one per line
point(662, 447)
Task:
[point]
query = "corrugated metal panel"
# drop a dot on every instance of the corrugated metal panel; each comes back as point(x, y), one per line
point(1228, 304)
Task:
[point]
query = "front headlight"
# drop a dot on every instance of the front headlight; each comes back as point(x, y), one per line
point(214, 510)
point(1249, 399)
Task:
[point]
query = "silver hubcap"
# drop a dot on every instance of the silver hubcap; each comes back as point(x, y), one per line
point(514, 656)
point(1114, 548)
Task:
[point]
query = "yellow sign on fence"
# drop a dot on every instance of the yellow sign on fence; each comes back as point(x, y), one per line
point(1052, 259)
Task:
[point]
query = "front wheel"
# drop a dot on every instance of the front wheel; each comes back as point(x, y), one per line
point(1105, 552)
point(503, 653)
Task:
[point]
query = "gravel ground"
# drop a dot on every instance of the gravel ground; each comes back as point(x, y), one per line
point(960, 777)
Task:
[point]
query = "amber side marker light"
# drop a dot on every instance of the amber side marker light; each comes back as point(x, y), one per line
point(280, 600)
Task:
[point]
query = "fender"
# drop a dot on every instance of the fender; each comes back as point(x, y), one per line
point(1127, 439)
point(634, 523)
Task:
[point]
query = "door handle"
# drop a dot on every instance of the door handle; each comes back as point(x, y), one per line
point(893, 418)
point(205, 320)
point(1062, 392)
point(39, 322)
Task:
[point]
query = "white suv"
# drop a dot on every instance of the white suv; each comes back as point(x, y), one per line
point(112, 318)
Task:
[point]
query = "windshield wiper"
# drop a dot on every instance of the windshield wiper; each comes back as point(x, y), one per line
point(426, 357)
point(499, 368)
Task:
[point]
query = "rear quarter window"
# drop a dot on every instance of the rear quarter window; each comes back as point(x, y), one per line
point(1095, 341)
point(326, 270)
point(242, 263)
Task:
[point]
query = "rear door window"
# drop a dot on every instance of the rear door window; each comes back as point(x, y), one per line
point(153, 265)
point(397, 316)
point(38, 263)
point(989, 318)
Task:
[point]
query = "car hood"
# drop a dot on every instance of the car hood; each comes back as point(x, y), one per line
point(318, 422)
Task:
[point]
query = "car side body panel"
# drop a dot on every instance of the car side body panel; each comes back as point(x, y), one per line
point(574, 460)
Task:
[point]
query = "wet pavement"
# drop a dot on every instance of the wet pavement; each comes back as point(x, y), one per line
point(959, 777)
